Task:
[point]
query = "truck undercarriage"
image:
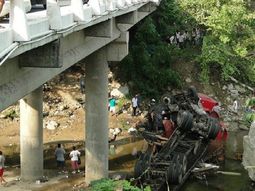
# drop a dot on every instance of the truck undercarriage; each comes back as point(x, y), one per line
point(168, 161)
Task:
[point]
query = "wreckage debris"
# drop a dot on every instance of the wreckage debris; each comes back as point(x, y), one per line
point(169, 161)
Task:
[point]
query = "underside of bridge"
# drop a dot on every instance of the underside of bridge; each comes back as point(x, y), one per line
point(36, 61)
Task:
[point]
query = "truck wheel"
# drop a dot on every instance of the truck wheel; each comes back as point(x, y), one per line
point(214, 129)
point(142, 163)
point(174, 173)
point(138, 169)
point(185, 120)
point(171, 173)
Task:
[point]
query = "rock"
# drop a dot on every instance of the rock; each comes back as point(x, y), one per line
point(249, 151)
point(132, 130)
point(252, 133)
point(45, 114)
point(117, 93)
point(52, 125)
point(234, 93)
point(224, 87)
point(124, 90)
point(240, 89)
point(228, 99)
point(188, 80)
point(230, 87)
point(233, 126)
point(243, 127)
point(63, 107)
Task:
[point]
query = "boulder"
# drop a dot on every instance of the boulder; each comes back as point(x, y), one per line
point(249, 152)
point(51, 125)
point(117, 93)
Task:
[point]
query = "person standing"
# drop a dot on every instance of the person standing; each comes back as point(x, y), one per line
point(75, 154)
point(168, 127)
point(60, 156)
point(2, 160)
point(82, 84)
point(112, 104)
point(134, 104)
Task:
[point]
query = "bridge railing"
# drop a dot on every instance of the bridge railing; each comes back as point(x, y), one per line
point(25, 27)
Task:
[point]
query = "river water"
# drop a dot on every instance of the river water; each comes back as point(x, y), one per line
point(220, 182)
point(215, 182)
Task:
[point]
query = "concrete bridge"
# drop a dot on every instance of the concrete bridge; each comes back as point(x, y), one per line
point(35, 47)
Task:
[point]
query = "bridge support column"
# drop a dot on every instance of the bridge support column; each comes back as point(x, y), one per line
point(96, 81)
point(31, 136)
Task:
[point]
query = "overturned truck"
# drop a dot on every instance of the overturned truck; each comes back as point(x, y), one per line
point(171, 157)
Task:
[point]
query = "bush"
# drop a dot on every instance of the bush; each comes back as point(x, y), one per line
point(112, 185)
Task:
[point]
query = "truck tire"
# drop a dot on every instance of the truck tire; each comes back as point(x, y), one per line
point(184, 120)
point(174, 173)
point(214, 128)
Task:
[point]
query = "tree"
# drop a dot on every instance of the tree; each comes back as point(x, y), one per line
point(148, 64)
point(230, 39)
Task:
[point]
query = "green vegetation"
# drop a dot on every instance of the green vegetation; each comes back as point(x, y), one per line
point(112, 185)
point(148, 65)
point(228, 44)
point(230, 39)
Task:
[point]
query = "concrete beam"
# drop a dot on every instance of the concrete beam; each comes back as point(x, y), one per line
point(118, 49)
point(76, 47)
point(104, 29)
point(129, 18)
point(47, 56)
point(149, 7)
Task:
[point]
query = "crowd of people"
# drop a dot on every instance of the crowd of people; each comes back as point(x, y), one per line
point(186, 38)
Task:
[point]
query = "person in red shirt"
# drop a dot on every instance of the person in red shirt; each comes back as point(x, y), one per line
point(168, 126)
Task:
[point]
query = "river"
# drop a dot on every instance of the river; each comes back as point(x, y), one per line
point(215, 182)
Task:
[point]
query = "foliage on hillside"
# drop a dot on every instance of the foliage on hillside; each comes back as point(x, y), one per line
point(230, 39)
point(228, 44)
point(148, 64)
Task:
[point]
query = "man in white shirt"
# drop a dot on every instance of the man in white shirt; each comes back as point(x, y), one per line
point(60, 156)
point(134, 104)
point(75, 157)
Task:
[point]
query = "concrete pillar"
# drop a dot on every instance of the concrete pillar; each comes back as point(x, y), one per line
point(96, 81)
point(31, 136)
